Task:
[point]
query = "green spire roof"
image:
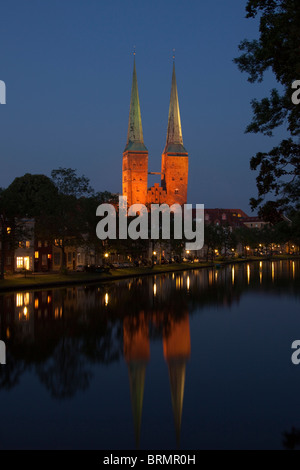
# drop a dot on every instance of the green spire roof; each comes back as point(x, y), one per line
point(137, 372)
point(174, 142)
point(135, 140)
point(177, 380)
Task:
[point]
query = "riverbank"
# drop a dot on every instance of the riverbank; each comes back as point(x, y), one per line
point(41, 280)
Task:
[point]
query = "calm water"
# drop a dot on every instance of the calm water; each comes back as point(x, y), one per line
point(193, 360)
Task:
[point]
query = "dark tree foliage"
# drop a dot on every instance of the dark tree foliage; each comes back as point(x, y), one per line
point(69, 184)
point(27, 197)
point(277, 50)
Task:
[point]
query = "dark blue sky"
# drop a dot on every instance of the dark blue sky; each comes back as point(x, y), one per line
point(67, 65)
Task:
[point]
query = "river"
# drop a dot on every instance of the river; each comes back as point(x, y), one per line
point(189, 360)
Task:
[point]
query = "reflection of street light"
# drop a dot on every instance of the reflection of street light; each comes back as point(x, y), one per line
point(154, 289)
point(106, 299)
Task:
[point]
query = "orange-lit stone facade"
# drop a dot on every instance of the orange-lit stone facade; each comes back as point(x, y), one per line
point(135, 177)
point(156, 195)
point(174, 173)
point(174, 179)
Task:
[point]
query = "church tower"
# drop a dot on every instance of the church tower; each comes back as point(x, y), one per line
point(135, 155)
point(174, 168)
point(137, 355)
point(177, 351)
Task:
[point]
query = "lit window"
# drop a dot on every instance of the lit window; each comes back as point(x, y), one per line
point(26, 298)
point(39, 244)
point(19, 262)
point(19, 300)
point(36, 303)
point(27, 244)
point(36, 255)
point(8, 230)
point(20, 244)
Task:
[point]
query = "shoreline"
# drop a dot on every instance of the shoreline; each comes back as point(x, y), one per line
point(54, 280)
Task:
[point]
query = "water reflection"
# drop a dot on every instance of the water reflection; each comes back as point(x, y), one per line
point(62, 334)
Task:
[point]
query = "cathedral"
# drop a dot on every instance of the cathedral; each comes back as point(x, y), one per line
point(174, 163)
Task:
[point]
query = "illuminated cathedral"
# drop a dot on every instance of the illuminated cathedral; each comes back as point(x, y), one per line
point(174, 163)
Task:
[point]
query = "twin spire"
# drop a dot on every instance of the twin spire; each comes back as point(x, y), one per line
point(135, 140)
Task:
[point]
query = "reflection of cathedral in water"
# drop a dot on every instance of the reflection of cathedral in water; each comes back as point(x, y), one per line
point(64, 332)
point(177, 350)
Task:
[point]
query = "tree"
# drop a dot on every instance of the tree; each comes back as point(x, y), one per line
point(29, 196)
point(277, 49)
point(213, 240)
point(229, 239)
point(248, 237)
point(69, 184)
point(77, 219)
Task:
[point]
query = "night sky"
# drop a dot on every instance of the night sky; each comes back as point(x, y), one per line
point(67, 65)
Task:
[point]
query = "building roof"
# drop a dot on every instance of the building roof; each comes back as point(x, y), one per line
point(135, 140)
point(174, 143)
point(252, 219)
point(232, 217)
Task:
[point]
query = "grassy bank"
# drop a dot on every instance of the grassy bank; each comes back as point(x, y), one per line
point(38, 280)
